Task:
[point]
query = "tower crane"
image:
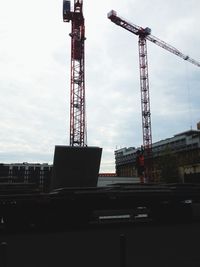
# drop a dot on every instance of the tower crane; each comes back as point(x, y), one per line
point(77, 84)
point(144, 34)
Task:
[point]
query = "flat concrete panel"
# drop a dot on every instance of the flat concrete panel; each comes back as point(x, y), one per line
point(75, 166)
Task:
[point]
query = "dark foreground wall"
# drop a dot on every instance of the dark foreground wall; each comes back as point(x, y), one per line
point(124, 226)
point(110, 246)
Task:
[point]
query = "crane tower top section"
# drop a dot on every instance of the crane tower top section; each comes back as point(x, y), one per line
point(76, 13)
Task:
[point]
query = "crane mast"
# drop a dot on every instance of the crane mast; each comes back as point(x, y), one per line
point(77, 83)
point(145, 98)
point(144, 34)
point(144, 86)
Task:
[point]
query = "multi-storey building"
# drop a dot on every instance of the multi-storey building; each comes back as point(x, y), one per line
point(36, 174)
point(185, 146)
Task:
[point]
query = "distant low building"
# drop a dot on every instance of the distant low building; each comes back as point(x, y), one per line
point(125, 162)
point(185, 146)
point(37, 174)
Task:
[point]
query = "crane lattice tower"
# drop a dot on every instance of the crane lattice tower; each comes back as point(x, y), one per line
point(78, 132)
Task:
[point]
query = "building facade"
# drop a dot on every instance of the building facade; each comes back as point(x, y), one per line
point(184, 147)
point(35, 174)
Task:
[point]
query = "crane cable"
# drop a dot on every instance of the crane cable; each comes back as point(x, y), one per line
point(188, 95)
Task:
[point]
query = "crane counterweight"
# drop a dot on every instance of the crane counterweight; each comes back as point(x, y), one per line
point(66, 11)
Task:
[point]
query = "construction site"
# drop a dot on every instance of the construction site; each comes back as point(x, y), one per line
point(65, 213)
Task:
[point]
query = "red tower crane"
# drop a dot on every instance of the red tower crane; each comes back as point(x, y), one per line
point(77, 87)
point(145, 34)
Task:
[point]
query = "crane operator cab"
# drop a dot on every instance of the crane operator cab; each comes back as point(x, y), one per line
point(66, 11)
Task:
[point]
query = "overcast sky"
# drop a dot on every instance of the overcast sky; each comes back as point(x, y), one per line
point(35, 76)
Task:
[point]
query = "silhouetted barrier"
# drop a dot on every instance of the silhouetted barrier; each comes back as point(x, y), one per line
point(75, 166)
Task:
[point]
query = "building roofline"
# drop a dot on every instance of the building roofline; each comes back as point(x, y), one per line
point(188, 132)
